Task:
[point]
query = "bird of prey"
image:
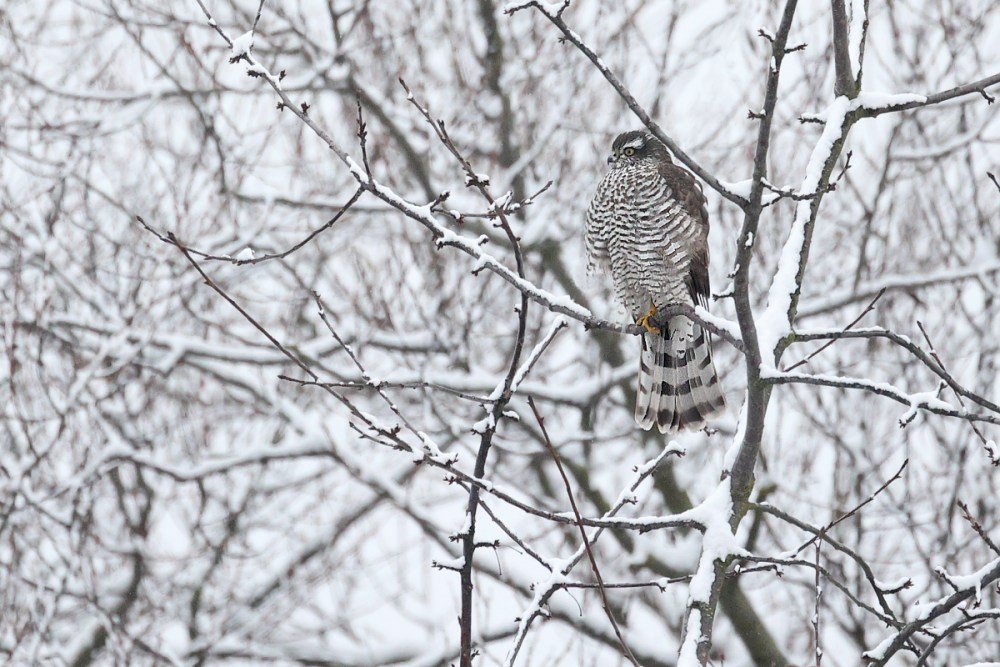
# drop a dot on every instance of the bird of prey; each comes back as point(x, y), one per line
point(647, 226)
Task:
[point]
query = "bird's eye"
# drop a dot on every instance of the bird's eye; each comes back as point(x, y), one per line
point(629, 151)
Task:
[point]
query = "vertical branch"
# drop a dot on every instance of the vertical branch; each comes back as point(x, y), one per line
point(256, 19)
point(485, 442)
point(504, 393)
point(757, 394)
point(862, 39)
point(818, 648)
point(844, 83)
point(700, 613)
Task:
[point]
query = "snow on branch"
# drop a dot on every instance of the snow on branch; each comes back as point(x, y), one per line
point(965, 587)
point(927, 401)
point(783, 295)
point(560, 569)
point(718, 546)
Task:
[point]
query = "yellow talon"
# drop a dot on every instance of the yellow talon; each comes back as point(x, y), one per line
point(644, 320)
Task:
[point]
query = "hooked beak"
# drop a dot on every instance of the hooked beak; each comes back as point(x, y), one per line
point(611, 159)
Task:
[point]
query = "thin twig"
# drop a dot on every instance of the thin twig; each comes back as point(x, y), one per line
point(363, 138)
point(958, 394)
point(914, 402)
point(978, 527)
point(247, 316)
point(263, 258)
point(994, 179)
point(850, 326)
point(774, 563)
point(505, 393)
point(256, 19)
point(583, 534)
point(857, 508)
point(387, 384)
point(907, 344)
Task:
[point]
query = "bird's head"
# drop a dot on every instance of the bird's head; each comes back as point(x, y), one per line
point(635, 145)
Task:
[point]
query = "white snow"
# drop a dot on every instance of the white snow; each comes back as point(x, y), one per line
point(433, 451)
point(557, 325)
point(718, 544)
point(870, 100)
point(548, 6)
point(923, 610)
point(992, 451)
point(477, 179)
point(893, 585)
point(773, 324)
point(243, 44)
point(739, 188)
point(879, 651)
point(927, 399)
point(916, 401)
point(974, 581)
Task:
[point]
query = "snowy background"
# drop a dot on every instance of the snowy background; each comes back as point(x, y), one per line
point(167, 499)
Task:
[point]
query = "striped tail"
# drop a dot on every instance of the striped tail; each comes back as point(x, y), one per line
point(678, 386)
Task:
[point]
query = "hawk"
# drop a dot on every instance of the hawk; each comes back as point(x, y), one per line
point(647, 227)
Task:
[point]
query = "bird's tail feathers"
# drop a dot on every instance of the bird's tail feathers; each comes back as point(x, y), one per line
point(678, 386)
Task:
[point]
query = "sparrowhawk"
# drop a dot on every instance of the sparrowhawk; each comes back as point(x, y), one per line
point(647, 227)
